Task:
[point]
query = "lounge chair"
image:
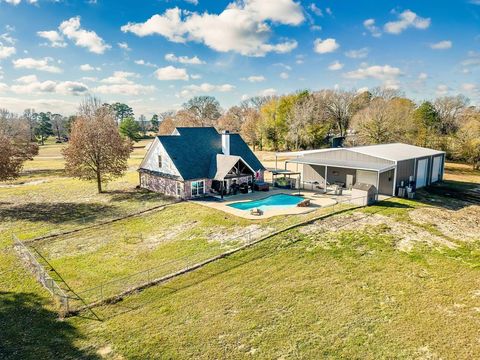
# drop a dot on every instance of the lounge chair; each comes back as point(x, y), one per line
point(256, 212)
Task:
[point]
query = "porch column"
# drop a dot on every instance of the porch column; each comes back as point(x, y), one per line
point(221, 189)
point(326, 172)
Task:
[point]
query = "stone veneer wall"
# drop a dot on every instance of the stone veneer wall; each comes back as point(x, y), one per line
point(159, 184)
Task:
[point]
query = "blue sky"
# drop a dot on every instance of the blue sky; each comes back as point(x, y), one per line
point(154, 55)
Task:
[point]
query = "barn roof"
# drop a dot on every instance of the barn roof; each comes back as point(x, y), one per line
point(395, 152)
point(192, 149)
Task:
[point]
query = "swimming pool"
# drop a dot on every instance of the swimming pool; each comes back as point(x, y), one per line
point(274, 202)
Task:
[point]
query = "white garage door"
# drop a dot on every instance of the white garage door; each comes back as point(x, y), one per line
point(437, 166)
point(422, 171)
point(367, 177)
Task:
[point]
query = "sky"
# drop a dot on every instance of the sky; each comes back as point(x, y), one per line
point(154, 55)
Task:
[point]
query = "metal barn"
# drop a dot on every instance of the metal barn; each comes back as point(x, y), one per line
point(386, 166)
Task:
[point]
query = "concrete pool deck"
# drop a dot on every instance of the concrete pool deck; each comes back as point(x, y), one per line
point(316, 201)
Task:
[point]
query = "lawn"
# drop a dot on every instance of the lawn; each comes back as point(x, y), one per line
point(400, 279)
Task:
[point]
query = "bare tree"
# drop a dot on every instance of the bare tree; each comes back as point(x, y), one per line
point(339, 106)
point(449, 109)
point(232, 120)
point(96, 151)
point(16, 145)
point(58, 125)
point(250, 129)
point(204, 109)
point(467, 140)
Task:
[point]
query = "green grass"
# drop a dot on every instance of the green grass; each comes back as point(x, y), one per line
point(339, 293)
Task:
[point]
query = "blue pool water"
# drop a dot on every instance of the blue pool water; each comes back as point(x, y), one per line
point(278, 201)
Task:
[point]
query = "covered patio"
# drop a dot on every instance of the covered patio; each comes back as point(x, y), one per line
point(231, 175)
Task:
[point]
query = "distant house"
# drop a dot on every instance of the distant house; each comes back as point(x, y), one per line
point(388, 167)
point(194, 161)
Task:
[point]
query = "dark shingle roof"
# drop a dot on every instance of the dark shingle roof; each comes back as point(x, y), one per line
point(196, 147)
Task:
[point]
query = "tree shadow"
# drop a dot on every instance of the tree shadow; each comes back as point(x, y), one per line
point(44, 172)
point(57, 213)
point(451, 195)
point(29, 331)
point(139, 195)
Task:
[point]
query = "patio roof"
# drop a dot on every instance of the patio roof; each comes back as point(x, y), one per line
point(283, 172)
point(222, 164)
point(348, 164)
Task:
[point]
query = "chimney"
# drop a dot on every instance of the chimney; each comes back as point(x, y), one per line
point(226, 142)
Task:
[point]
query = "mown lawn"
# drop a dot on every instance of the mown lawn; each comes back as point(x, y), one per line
point(340, 288)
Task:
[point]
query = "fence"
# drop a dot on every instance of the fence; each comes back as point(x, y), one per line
point(42, 275)
point(111, 291)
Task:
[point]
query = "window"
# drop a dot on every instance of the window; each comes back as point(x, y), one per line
point(160, 161)
point(198, 188)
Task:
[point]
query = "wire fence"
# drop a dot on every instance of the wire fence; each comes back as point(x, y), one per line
point(72, 302)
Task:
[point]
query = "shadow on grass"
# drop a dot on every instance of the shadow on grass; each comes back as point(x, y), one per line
point(57, 212)
point(135, 195)
point(44, 172)
point(29, 331)
point(451, 195)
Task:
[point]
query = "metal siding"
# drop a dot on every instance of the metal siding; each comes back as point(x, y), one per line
point(347, 155)
point(405, 169)
point(386, 182)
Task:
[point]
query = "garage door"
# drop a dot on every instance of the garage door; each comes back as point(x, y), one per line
point(436, 168)
point(422, 171)
point(367, 177)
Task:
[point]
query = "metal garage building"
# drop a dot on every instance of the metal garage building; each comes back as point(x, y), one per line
point(385, 166)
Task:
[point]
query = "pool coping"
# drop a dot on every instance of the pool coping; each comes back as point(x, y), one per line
point(315, 201)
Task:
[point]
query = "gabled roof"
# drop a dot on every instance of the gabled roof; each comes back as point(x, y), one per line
point(222, 164)
point(194, 148)
point(395, 152)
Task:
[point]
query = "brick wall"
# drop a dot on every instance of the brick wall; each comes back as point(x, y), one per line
point(160, 184)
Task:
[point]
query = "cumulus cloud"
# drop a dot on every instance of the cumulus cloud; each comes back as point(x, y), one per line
point(407, 19)
point(386, 73)
point(357, 54)
point(204, 88)
point(55, 39)
point(335, 66)
point(88, 67)
point(16, 2)
point(255, 78)
point(36, 64)
point(121, 83)
point(89, 39)
point(325, 46)
point(442, 45)
point(369, 24)
point(171, 73)
point(442, 90)
point(120, 77)
point(268, 92)
point(184, 59)
point(284, 75)
point(243, 26)
point(124, 46)
point(30, 84)
point(144, 63)
point(6, 51)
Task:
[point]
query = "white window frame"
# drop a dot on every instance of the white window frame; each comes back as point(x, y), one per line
point(197, 188)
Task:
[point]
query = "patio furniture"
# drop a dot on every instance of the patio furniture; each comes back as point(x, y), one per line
point(304, 203)
point(243, 188)
point(261, 186)
point(256, 212)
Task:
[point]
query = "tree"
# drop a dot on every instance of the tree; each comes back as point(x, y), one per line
point(204, 110)
point(427, 124)
point(44, 126)
point(121, 111)
point(467, 140)
point(250, 129)
point(30, 116)
point(130, 129)
point(167, 126)
point(96, 151)
point(58, 125)
point(154, 123)
point(232, 120)
point(449, 109)
point(339, 106)
point(16, 145)
point(143, 125)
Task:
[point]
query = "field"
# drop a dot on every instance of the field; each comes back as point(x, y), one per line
point(396, 280)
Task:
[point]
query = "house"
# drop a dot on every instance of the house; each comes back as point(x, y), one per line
point(194, 161)
point(387, 166)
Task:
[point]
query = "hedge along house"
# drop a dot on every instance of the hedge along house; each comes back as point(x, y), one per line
point(385, 166)
point(197, 161)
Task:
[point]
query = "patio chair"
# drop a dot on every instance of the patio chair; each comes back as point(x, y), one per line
point(256, 212)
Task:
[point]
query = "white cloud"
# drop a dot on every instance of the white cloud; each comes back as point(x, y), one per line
point(284, 75)
point(88, 67)
point(442, 45)
point(196, 76)
point(171, 73)
point(375, 72)
point(357, 54)
point(325, 46)
point(120, 77)
point(36, 64)
point(144, 63)
point(316, 10)
point(268, 92)
point(53, 105)
point(422, 76)
point(369, 24)
point(29, 84)
point(55, 39)
point(407, 19)
point(469, 87)
point(124, 89)
point(184, 59)
point(442, 90)
point(336, 65)
point(362, 89)
point(204, 88)
point(193, 2)
point(124, 46)
point(256, 78)
point(84, 38)
point(242, 27)
point(6, 51)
